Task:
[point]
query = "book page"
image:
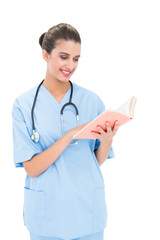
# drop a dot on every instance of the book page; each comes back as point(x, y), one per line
point(128, 107)
point(125, 107)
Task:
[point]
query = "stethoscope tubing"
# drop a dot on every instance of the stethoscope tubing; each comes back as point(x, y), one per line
point(35, 135)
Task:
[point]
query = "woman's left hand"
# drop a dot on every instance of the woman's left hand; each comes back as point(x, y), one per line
point(106, 136)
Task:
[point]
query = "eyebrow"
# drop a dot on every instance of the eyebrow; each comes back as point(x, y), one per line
point(68, 54)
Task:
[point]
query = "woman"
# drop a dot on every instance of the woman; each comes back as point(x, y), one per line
point(64, 193)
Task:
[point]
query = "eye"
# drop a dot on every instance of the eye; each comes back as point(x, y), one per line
point(63, 57)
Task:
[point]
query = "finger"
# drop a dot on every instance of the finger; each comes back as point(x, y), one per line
point(100, 130)
point(108, 127)
point(115, 127)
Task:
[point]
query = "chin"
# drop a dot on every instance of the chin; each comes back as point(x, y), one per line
point(64, 80)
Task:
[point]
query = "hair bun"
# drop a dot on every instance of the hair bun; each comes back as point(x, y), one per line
point(41, 39)
point(48, 40)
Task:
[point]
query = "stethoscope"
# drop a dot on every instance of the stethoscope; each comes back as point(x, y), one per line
point(35, 135)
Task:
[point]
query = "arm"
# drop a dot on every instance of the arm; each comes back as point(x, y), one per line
point(102, 152)
point(106, 138)
point(40, 162)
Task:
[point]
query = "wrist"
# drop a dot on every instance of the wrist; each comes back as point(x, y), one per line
point(107, 142)
point(69, 135)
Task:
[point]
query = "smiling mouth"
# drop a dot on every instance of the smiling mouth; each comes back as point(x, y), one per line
point(65, 73)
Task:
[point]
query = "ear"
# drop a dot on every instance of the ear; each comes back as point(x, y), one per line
point(45, 55)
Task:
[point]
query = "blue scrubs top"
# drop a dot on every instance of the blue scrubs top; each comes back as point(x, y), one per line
point(67, 200)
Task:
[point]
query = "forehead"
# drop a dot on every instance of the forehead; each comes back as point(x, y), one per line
point(67, 46)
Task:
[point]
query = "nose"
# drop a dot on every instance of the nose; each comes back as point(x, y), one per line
point(70, 65)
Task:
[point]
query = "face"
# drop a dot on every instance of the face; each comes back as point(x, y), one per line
point(63, 59)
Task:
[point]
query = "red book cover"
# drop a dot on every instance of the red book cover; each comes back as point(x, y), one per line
point(124, 114)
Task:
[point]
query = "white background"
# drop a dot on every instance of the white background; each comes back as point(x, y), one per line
point(120, 58)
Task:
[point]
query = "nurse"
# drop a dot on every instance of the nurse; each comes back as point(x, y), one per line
point(64, 192)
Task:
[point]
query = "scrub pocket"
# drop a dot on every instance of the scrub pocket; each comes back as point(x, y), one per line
point(34, 210)
point(100, 209)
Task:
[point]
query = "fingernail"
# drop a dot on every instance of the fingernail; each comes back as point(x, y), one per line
point(117, 122)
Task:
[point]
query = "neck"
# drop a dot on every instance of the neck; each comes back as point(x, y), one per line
point(56, 86)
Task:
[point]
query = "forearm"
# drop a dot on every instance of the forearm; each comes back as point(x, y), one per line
point(40, 162)
point(102, 152)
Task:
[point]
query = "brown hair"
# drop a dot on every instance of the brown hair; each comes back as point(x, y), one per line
point(64, 31)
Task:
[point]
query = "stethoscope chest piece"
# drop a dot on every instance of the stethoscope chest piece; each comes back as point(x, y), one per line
point(35, 136)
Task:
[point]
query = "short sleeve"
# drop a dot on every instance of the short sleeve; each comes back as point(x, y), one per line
point(102, 108)
point(23, 147)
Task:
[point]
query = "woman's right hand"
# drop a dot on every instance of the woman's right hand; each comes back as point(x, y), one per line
point(73, 131)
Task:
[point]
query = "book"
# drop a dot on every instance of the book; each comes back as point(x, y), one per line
point(123, 114)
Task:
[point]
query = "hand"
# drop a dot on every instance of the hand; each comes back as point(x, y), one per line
point(105, 136)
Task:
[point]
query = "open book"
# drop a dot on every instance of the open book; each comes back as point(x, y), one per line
point(123, 114)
